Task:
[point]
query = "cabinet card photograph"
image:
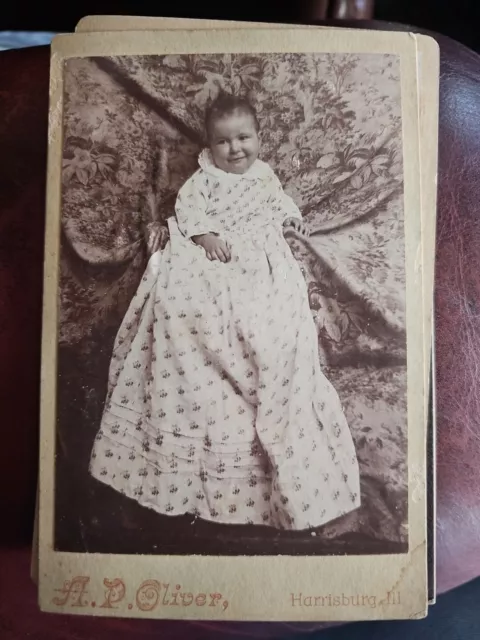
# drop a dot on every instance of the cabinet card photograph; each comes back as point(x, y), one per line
point(232, 291)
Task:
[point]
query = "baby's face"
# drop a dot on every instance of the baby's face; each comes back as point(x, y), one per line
point(234, 142)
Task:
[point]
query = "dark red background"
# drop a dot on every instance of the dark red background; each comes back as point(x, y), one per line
point(23, 122)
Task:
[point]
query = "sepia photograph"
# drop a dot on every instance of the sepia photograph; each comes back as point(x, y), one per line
point(232, 352)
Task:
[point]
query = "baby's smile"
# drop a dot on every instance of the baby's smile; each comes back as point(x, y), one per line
point(237, 160)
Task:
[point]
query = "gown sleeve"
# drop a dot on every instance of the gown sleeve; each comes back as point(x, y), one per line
point(283, 204)
point(191, 207)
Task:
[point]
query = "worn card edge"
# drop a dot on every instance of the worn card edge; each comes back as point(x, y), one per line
point(428, 59)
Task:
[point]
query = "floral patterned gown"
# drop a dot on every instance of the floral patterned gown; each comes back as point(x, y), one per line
point(217, 405)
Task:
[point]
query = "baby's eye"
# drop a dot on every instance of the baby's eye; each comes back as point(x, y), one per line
point(219, 142)
point(244, 137)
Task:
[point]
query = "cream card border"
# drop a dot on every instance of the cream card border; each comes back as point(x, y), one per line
point(256, 588)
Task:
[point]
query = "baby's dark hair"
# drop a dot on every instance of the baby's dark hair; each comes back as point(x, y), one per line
point(227, 104)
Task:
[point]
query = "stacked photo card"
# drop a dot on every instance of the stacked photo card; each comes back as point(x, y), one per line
point(237, 416)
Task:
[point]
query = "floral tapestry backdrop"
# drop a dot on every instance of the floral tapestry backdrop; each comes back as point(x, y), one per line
point(331, 129)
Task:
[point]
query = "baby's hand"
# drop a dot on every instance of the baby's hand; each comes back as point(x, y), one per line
point(299, 225)
point(215, 247)
point(156, 237)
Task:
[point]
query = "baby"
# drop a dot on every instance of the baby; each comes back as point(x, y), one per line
point(233, 136)
point(217, 405)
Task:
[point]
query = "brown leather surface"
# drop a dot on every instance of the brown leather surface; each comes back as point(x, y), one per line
point(23, 134)
point(23, 141)
point(317, 10)
point(339, 9)
point(352, 9)
point(457, 316)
